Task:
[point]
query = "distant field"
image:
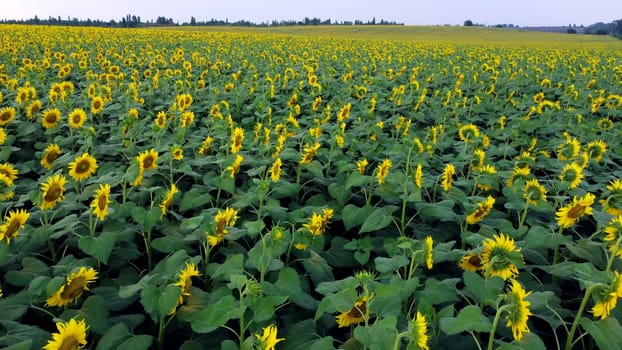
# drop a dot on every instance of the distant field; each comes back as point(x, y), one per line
point(441, 34)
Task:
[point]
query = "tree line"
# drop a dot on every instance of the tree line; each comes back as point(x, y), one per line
point(133, 21)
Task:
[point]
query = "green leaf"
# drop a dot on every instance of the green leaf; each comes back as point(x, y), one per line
point(31, 268)
point(264, 308)
point(341, 301)
point(13, 306)
point(95, 312)
point(353, 216)
point(215, 315)
point(234, 265)
point(289, 284)
point(606, 333)
point(24, 345)
point(438, 292)
point(442, 210)
point(136, 342)
point(98, 247)
point(384, 265)
point(483, 290)
point(113, 337)
point(168, 299)
point(318, 268)
point(149, 298)
point(377, 220)
point(15, 332)
point(470, 318)
point(196, 198)
point(339, 192)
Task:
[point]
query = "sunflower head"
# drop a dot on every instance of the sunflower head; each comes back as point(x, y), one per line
point(75, 284)
point(82, 167)
point(50, 118)
point(356, 314)
point(97, 105)
point(482, 210)
point(596, 150)
point(7, 114)
point(418, 331)
point(468, 133)
point(268, 339)
point(612, 202)
point(77, 118)
point(15, 220)
point(71, 335)
point(569, 149)
point(571, 175)
point(533, 192)
point(50, 154)
point(52, 191)
point(101, 200)
point(500, 257)
point(471, 262)
point(518, 311)
point(567, 216)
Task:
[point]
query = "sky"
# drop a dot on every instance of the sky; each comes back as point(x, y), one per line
point(410, 12)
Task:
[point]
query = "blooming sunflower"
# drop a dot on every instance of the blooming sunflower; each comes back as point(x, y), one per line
point(318, 222)
point(533, 191)
point(614, 231)
point(71, 290)
point(237, 137)
point(605, 124)
point(500, 257)
point(419, 332)
point(77, 117)
point(606, 297)
point(71, 335)
point(7, 114)
point(571, 174)
point(50, 154)
point(483, 209)
point(6, 187)
point(428, 252)
point(160, 120)
point(471, 262)
point(612, 204)
point(468, 132)
point(268, 339)
point(97, 105)
point(519, 173)
point(518, 313)
point(167, 201)
point(33, 108)
point(184, 281)
point(447, 176)
point(361, 165)
point(147, 160)
point(2, 136)
point(52, 191)
point(8, 170)
point(356, 314)
point(12, 223)
point(222, 219)
point(100, 202)
point(308, 153)
point(570, 214)
point(569, 149)
point(419, 176)
point(51, 118)
point(383, 170)
point(275, 170)
point(234, 168)
point(596, 150)
point(82, 167)
point(187, 118)
point(177, 153)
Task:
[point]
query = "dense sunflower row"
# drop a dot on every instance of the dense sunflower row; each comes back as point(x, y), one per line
point(239, 191)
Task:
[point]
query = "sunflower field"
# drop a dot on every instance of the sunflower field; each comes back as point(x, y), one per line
point(165, 189)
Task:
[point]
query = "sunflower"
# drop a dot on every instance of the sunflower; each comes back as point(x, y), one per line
point(468, 132)
point(184, 282)
point(518, 313)
point(570, 214)
point(614, 232)
point(50, 118)
point(33, 108)
point(571, 174)
point(419, 332)
point(7, 114)
point(97, 105)
point(2, 136)
point(613, 202)
point(71, 335)
point(12, 223)
point(167, 201)
point(447, 176)
point(82, 167)
point(205, 145)
point(318, 223)
point(500, 257)
point(356, 314)
point(428, 252)
point(77, 117)
point(222, 219)
point(234, 168)
point(52, 191)
point(147, 160)
point(419, 176)
point(471, 262)
point(479, 159)
point(606, 297)
point(383, 170)
point(160, 120)
point(187, 118)
point(237, 137)
point(308, 153)
point(6, 187)
point(533, 192)
point(568, 149)
point(9, 171)
point(275, 170)
point(177, 153)
point(605, 124)
point(268, 340)
point(50, 154)
point(361, 165)
point(71, 290)
point(519, 173)
point(100, 202)
point(596, 150)
point(483, 209)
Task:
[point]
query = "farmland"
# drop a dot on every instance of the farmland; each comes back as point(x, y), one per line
point(309, 188)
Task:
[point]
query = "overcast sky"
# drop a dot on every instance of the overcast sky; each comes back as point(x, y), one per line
point(415, 12)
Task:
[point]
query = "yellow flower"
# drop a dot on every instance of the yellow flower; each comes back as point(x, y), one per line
point(82, 167)
point(318, 222)
point(606, 297)
point(483, 209)
point(518, 313)
point(167, 201)
point(308, 153)
point(519, 173)
point(471, 262)
point(361, 165)
point(356, 314)
point(427, 252)
point(275, 170)
point(383, 170)
point(71, 335)
point(236, 140)
point(613, 202)
point(533, 191)
point(12, 223)
point(614, 231)
point(596, 150)
point(50, 154)
point(468, 132)
point(184, 281)
point(268, 339)
point(147, 160)
point(205, 145)
point(160, 120)
point(419, 176)
point(568, 149)
point(571, 174)
point(605, 124)
point(97, 105)
point(50, 118)
point(187, 118)
point(75, 284)
point(177, 153)
point(100, 202)
point(77, 117)
point(222, 219)
point(234, 168)
point(7, 114)
point(570, 214)
point(447, 176)
point(2, 136)
point(52, 191)
point(419, 332)
point(9, 171)
point(499, 257)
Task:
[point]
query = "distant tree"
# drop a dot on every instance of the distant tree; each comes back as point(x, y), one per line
point(468, 23)
point(571, 31)
point(193, 21)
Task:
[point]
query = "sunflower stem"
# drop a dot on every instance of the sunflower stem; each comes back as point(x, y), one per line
point(161, 329)
point(575, 323)
point(495, 322)
point(556, 251)
point(398, 340)
point(521, 220)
